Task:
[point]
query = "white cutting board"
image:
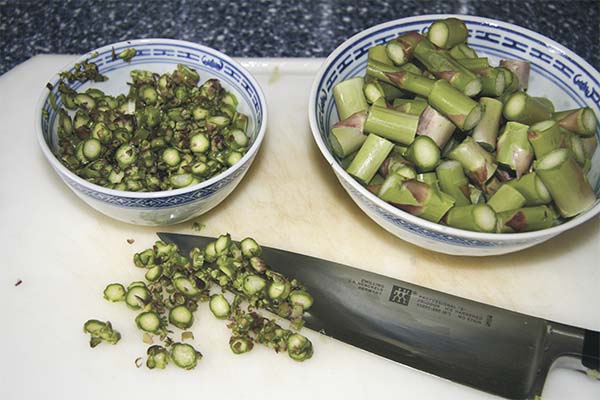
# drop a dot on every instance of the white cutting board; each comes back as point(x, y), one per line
point(65, 253)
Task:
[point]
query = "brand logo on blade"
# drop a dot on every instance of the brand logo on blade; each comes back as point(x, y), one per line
point(400, 295)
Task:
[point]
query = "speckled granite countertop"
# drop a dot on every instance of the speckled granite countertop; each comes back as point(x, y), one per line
point(264, 28)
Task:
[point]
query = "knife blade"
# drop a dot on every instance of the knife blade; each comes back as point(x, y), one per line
point(482, 346)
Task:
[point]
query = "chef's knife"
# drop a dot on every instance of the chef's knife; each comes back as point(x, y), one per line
point(482, 346)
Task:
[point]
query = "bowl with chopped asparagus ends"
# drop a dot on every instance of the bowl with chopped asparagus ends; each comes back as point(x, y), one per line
point(151, 131)
point(461, 134)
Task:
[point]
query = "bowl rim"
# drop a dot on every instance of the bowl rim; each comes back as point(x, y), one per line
point(423, 223)
point(56, 164)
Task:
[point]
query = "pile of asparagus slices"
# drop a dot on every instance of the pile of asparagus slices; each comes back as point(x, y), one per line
point(435, 130)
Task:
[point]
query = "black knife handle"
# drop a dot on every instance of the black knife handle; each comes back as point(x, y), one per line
point(591, 350)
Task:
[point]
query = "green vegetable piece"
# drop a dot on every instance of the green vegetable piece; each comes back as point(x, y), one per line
point(253, 284)
point(185, 356)
point(127, 54)
point(148, 321)
point(219, 306)
point(158, 357)
point(181, 317)
point(302, 298)
point(137, 297)
point(250, 248)
point(114, 292)
point(101, 332)
point(299, 347)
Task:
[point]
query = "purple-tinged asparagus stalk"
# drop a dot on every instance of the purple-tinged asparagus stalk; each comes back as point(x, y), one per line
point(520, 69)
point(544, 137)
point(463, 111)
point(506, 198)
point(581, 121)
point(486, 131)
point(566, 182)
point(401, 49)
point(395, 161)
point(417, 198)
point(436, 126)
point(532, 188)
point(443, 66)
point(407, 77)
point(453, 181)
point(520, 107)
point(369, 158)
point(448, 33)
point(514, 150)
point(478, 164)
point(349, 97)
point(347, 136)
point(526, 219)
point(474, 217)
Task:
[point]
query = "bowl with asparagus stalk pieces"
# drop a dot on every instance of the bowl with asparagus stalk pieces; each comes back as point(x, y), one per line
point(461, 134)
point(151, 131)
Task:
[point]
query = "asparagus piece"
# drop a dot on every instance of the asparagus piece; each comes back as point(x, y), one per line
point(511, 83)
point(491, 187)
point(581, 121)
point(402, 77)
point(369, 158)
point(474, 64)
point(429, 178)
point(521, 107)
point(442, 65)
point(379, 54)
point(101, 332)
point(436, 126)
point(347, 136)
point(514, 150)
point(447, 33)
point(417, 198)
point(493, 81)
point(506, 198)
point(478, 164)
point(476, 196)
point(453, 143)
point(526, 219)
point(393, 162)
point(413, 107)
point(566, 182)
point(486, 131)
point(462, 51)
point(520, 69)
point(475, 217)
point(424, 153)
point(349, 97)
point(546, 102)
point(373, 91)
point(392, 125)
point(532, 188)
point(544, 137)
point(463, 111)
point(453, 181)
point(576, 145)
point(401, 49)
point(590, 144)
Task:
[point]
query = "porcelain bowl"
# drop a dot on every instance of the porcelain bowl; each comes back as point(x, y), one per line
point(556, 73)
point(157, 55)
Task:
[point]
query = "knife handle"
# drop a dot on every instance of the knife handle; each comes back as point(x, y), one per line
point(568, 347)
point(590, 357)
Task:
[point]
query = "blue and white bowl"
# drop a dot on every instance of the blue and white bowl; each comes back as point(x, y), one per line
point(158, 55)
point(556, 73)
